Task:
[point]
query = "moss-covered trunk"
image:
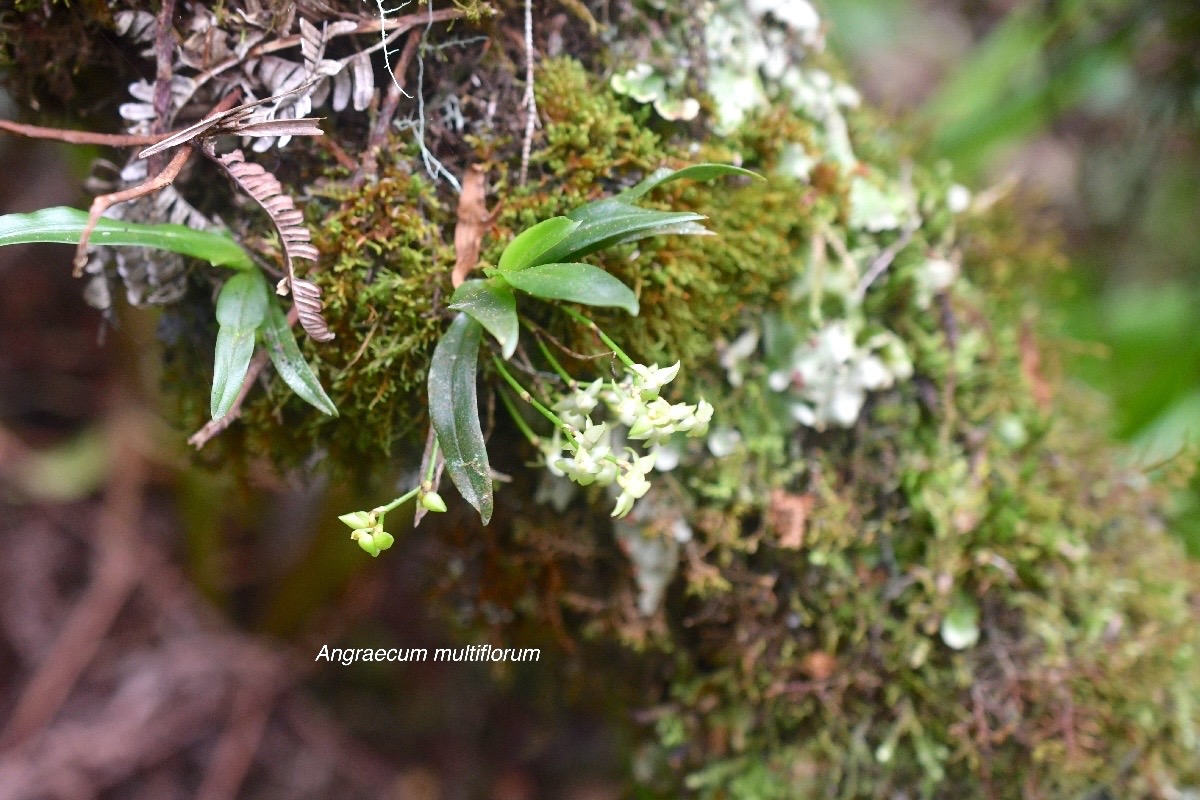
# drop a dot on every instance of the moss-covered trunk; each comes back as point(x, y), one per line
point(902, 561)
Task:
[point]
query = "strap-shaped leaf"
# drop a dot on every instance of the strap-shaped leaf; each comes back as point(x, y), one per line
point(578, 283)
point(527, 249)
point(241, 309)
point(492, 304)
point(611, 222)
point(696, 172)
point(289, 362)
point(454, 411)
point(65, 226)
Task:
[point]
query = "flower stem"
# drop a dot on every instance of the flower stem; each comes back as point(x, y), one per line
point(562, 373)
point(399, 501)
point(524, 394)
point(582, 320)
point(533, 438)
point(431, 468)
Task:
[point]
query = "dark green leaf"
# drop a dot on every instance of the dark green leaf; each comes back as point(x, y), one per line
point(528, 248)
point(65, 226)
point(696, 172)
point(492, 304)
point(454, 411)
point(612, 222)
point(241, 308)
point(578, 283)
point(289, 362)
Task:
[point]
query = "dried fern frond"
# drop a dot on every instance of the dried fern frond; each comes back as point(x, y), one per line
point(266, 189)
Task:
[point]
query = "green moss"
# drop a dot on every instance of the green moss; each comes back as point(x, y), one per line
point(384, 277)
point(819, 671)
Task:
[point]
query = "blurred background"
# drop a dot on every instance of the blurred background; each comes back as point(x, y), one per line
point(1089, 110)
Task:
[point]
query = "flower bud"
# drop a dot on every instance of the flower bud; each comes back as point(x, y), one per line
point(366, 540)
point(383, 540)
point(358, 520)
point(432, 501)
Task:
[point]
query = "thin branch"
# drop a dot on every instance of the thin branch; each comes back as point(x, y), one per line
point(164, 52)
point(387, 111)
point(104, 202)
point(234, 754)
point(883, 261)
point(164, 57)
point(118, 572)
point(82, 137)
point(213, 427)
point(396, 26)
point(541, 332)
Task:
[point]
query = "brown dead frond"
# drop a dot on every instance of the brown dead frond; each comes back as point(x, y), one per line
point(294, 237)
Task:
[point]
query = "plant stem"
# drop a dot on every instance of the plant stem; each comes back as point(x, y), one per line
point(533, 438)
point(524, 394)
point(581, 319)
point(431, 468)
point(399, 501)
point(562, 373)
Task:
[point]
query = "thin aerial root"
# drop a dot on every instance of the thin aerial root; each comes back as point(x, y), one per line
point(530, 100)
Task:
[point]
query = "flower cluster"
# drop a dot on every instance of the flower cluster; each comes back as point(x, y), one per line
point(639, 413)
point(367, 527)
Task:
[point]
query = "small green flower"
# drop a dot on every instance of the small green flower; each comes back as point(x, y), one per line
point(432, 501)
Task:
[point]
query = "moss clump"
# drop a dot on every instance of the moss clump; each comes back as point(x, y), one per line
point(384, 278)
point(978, 604)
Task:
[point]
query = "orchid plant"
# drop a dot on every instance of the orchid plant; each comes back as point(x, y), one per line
point(544, 263)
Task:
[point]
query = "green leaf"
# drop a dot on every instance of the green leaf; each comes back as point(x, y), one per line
point(578, 283)
point(492, 304)
point(696, 172)
point(241, 308)
point(611, 222)
point(65, 226)
point(454, 411)
point(526, 250)
point(289, 362)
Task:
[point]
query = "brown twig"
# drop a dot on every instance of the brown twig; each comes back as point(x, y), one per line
point(343, 158)
point(164, 51)
point(82, 137)
point(396, 27)
point(117, 574)
point(104, 202)
point(213, 427)
point(234, 754)
point(541, 332)
point(387, 112)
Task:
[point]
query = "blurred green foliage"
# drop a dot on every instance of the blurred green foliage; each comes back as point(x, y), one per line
point(1113, 87)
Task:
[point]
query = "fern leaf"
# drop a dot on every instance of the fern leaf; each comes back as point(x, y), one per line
point(266, 190)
